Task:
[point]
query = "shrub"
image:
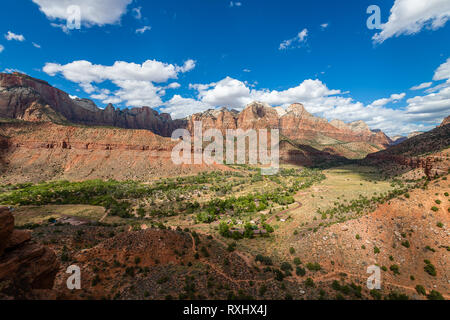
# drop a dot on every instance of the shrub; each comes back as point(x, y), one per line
point(435, 295)
point(309, 283)
point(297, 261)
point(313, 266)
point(435, 209)
point(264, 260)
point(300, 271)
point(291, 250)
point(232, 247)
point(279, 276)
point(286, 266)
point(397, 296)
point(421, 290)
point(376, 250)
point(406, 244)
point(440, 225)
point(430, 268)
point(376, 294)
point(395, 269)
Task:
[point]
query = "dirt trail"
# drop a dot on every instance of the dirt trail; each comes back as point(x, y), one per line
point(335, 275)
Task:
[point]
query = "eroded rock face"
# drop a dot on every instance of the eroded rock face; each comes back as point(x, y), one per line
point(295, 122)
point(27, 269)
point(445, 122)
point(26, 98)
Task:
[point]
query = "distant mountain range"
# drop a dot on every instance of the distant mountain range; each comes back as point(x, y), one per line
point(34, 100)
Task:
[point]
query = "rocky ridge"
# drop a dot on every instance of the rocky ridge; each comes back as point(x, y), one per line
point(27, 269)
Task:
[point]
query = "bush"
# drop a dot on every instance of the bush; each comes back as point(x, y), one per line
point(406, 244)
point(291, 250)
point(430, 268)
point(297, 261)
point(279, 276)
point(286, 266)
point(300, 271)
point(264, 260)
point(395, 269)
point(376, 294)
point(376, 250)
point(440, 225)
point(313, 266)
point(232, 247)
point(309, 283)
point(435, 209)
point(397, 296)
point(435, 295)
point(421, 290)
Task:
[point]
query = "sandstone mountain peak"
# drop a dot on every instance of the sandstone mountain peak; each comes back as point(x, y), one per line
point(445, 122)
point(298, 109)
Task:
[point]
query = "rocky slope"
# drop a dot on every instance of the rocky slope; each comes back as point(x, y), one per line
point(403, 232)
point(27, 269)
point(26, 98)
point(428, 152)
point(33, 152)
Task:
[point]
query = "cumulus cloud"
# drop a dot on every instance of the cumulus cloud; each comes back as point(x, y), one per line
point(296, 41)
point(411, 16)
point(421, 113)
point(179, 107)
point(135, 81)
point(187, 66)
point(422, 86)
point(384, 101)
point(1, 48)
point(143, 29)
point(93, 12)
point(12, 36)
point(443, 72)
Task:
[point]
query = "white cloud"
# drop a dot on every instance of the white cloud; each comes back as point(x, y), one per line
point(188, 66)
point(12, 36)
point(93, 12)
point(411, 16)
point(36, 45)
point(143, 29)
point(324, 25)
point(421, 113)
point(384, 101)
point(179, 107)
point(443, 72)
point(235, 4)
point(2, 48)
point(135, 81)
point(61, 26)
point(137, 13)
point(247, 70)
point(422, 86)
point(296, 41)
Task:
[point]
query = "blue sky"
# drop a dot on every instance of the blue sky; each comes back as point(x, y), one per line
point(211, 53)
